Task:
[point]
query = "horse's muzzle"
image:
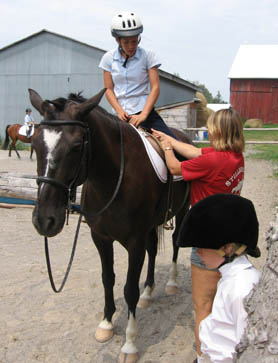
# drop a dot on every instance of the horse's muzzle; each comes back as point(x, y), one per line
point(48, 224)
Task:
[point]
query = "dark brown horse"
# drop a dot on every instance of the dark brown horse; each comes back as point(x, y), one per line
point(78, 142)
point(12, 131)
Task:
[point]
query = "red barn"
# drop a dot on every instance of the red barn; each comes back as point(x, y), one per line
point(254, 82)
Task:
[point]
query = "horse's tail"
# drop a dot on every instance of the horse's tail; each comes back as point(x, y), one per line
point(6, 142)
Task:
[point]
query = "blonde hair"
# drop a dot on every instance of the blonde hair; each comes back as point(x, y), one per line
point(226, 131)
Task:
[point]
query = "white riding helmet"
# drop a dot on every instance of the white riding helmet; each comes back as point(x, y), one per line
point(126, 24)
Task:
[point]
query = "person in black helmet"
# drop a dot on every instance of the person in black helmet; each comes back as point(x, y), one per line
point(131, 75)
point(28, 122)
point(224, 228)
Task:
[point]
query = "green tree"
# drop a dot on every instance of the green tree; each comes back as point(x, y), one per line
point(218, 98)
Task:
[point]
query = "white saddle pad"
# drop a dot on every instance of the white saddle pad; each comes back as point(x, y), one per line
point(156, 160)
point(23, 131)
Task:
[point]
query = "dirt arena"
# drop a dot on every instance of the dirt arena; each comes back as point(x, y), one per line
point(38, 325)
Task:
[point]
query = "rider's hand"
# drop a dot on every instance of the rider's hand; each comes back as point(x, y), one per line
point(124, 116)
point(136, 120)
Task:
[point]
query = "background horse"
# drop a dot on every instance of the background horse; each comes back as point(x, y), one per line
point(123, 200)
point(12, 131)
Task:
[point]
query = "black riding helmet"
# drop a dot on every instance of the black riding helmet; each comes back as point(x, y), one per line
point(220, 219)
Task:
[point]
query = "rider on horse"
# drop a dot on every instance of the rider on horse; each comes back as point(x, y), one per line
point(29, 122)
point(131, 75)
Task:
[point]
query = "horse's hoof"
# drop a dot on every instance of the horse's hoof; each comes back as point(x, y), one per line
point(103, 335)
point(171, 290)
point(128, 358)
point(144, 303)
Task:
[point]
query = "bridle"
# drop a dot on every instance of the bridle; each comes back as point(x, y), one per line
point(71, 191)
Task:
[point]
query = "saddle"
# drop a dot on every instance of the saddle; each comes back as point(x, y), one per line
point(154, 142)
point(158, 148)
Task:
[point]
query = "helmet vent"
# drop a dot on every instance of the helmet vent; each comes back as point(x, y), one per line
point(123, 24)
point(129, 23)
point(134, 22)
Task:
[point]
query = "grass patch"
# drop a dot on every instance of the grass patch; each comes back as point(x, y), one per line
point(262, 135)
point(264, 152)
point(267, 152)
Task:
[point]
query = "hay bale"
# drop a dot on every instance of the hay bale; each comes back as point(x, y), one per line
point(254, 123)
point(203, 99)
point(203, 114)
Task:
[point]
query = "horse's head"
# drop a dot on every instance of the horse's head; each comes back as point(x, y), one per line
point(61, 145)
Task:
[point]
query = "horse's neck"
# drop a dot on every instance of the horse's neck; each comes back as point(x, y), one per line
point(104, 130)
point(105, 144)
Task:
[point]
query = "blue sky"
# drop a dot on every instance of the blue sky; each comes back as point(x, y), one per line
point(198, 39)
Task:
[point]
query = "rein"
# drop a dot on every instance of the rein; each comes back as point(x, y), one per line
point(70, 192)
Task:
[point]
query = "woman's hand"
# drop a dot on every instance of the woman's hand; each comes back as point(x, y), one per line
point(162, 137)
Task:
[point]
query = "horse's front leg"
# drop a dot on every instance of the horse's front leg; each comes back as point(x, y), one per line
point(146, 297)
point(136, 255)
point(104, 331)
point(10, 150)
point(12, 146)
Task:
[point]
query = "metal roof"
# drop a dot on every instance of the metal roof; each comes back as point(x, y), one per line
point(49, 32)
point(255, 62)
point(162, 73)
point(218, 106)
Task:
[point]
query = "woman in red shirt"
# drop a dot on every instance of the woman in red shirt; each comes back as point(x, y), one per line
point(211, 170)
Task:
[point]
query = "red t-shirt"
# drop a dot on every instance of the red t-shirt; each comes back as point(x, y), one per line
point(214, 172)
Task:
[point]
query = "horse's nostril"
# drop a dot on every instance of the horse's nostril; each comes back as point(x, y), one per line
point(49, 223)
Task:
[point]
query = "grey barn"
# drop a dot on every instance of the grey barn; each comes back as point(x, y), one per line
point(55, 65)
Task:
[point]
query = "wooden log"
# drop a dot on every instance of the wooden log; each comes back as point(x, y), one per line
point(23, 186)
point(260, 340)
point(10, 205)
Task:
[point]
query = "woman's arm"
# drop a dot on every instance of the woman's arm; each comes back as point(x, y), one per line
point(110, 95)
point(151, 100)
point(186, 150)
point(173, 164)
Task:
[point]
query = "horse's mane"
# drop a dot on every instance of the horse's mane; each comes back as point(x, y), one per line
point(77, 97)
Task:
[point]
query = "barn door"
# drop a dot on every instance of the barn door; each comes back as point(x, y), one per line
point(274, 116)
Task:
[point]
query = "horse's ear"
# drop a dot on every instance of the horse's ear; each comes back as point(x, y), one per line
point(87, 106)
point(36, 100)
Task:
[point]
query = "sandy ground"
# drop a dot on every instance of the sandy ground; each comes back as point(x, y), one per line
point(38, 325)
